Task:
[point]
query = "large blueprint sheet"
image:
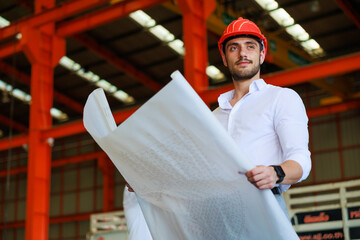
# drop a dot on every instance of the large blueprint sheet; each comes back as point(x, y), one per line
point(184, 167)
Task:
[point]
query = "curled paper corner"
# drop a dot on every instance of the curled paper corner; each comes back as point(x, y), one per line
point(177, 75)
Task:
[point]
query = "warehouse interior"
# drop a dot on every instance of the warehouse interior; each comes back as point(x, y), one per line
point(53, 54)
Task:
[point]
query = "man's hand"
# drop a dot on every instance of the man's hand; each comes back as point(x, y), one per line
point(262, 177)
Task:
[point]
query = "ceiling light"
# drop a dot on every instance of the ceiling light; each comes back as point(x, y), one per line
point(315, 6)
point(59, 115)
point(178, 46)
point(66, 62)
point(297, 32)
point(123, 96)
point(214, 73)
point(313, 48)
point(282, 17)
point(106, 86)
point(4, 22)
point(162, 33)
point(21, 95)
point(94, 78)
point(26, 98)
point(268, 4)
point(143, 19)
point(310, 44)
point(5, 87)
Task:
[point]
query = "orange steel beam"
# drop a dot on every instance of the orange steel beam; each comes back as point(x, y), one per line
point(7, 121)
point(78, 127)
point(347, 7)
point(54, 14)
point(44, 50)
point(9, 49)
point(62, 130)
point(59, 162)
point(307, 73)
point(117, 62)
point(16, 141)
point(323, 69)
point(24, 78)
point(335, 108)
point(103, 16)
point(195, 14)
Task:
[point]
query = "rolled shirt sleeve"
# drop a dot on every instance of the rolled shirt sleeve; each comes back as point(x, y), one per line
point(291, 125)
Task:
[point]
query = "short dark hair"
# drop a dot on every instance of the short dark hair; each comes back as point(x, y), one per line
point(261, 43)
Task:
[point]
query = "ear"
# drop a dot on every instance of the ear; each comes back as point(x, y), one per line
point(224, 58)
point(262, 56)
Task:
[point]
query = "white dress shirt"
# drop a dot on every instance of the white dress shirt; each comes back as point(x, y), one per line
point(269, 124)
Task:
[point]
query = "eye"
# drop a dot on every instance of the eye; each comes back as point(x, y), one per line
point(232, 48)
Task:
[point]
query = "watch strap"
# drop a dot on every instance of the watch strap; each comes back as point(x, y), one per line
point(279, 172)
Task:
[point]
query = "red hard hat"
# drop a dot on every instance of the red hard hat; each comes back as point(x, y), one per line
point(241, 26)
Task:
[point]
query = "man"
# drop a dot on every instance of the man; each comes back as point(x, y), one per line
point(268, 123)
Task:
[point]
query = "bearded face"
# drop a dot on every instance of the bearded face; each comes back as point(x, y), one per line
point(243, 58)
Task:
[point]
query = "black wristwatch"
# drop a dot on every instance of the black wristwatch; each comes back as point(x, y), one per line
point(279, 172)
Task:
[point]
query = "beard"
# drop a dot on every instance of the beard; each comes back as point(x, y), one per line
point(239, 75)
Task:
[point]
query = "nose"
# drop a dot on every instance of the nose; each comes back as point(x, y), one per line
point(242, 52)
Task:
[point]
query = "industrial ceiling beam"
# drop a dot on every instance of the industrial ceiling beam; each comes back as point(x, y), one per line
point(58, 13)
point(103, 16)
point(118, 62)
point(24, 78)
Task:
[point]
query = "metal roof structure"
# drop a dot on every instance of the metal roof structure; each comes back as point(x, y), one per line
point(110, 48)
point(53, 54)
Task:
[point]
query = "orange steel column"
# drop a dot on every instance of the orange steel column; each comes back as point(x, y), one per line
point(195, 13)
point(107, 168)
point(43, 50)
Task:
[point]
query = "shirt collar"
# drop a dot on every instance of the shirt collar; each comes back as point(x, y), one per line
point(224, 99)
